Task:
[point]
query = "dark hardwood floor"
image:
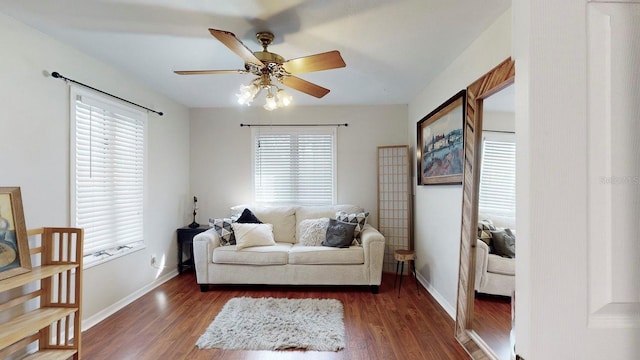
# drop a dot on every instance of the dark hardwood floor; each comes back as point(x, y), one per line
point(492, 321)
point(166, 323)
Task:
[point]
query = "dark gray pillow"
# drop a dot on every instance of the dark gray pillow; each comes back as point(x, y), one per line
point(504, 242)
point(248, 217)
point(339, 234)
point(360, 219)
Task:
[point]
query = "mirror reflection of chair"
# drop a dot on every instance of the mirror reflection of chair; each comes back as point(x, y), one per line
point(402, 256)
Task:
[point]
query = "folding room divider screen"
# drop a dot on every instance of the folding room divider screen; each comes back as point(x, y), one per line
point(394, 200)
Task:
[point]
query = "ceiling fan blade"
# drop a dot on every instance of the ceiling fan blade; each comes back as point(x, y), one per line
point(317, 62)
point(235, 45)
point(305, 86)
point(208, 72)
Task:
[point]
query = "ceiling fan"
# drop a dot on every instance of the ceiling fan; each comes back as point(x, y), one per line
point(268, 66)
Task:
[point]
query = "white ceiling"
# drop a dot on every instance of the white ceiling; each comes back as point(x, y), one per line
point(392, 48)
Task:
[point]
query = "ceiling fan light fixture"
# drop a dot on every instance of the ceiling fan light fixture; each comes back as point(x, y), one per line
point(271, 67)
point(284, 98)
point(247, 93)
point(270, 102)
point(276, 97)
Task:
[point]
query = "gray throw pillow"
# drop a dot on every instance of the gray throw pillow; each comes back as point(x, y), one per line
point(504, 242)
point(360, 219)
point(339, 234)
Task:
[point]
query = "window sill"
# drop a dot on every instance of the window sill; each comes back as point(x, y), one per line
point(102, 257)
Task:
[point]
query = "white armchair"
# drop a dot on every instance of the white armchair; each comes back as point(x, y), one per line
point(494, 274)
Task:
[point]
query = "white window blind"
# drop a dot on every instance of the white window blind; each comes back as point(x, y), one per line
point(107, 180)
point(294, 165)
point(498, 177)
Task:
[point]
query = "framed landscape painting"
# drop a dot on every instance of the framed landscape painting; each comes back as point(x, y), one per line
point(14, 244)
point(440, 144)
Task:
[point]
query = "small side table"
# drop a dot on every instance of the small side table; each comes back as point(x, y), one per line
point(185, 237)
point(401, 256)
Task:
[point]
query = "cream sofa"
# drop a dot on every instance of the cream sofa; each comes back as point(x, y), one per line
point(288, 262)
point(495, 275)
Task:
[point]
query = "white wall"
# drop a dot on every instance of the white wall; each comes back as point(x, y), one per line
point(499, 121)
point(221, 151)
point(34, 123)
point(438, 208)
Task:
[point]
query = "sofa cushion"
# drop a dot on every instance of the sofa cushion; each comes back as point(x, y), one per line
point(339, 234)
point(249, 235)
point(323, 255)
point(316, 212)
point(359, 218)
point(223, 227)
point(283, 219)
point(313, 231)
point(499, 220)
point(501, 265)
point(328, 211)
point(259, 255)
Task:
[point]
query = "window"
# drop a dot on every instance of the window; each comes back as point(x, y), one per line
point(294, 165)
point(107, 174)
point(498, 175)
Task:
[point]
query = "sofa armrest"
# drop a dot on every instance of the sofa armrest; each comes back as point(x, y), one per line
point(482, 261)
point(203, 245)
point(373, 245)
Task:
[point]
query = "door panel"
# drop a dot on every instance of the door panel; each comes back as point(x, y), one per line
point(614, 165)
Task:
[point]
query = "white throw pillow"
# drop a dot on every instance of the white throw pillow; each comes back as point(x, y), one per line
point(248, 235)
point(313, 231)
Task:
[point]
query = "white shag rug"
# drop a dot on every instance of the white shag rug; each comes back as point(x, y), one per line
point(247, 323)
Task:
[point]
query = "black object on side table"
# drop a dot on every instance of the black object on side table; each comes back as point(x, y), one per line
point(185, 237)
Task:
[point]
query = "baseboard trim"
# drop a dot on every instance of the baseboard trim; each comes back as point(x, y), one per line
point(105, 313)
point(437, 296)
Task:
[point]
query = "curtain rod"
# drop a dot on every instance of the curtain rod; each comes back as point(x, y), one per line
point(276, 125)
point(57, 75)
point(499, 131)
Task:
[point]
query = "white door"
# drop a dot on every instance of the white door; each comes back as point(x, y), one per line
point(579, 179)
point(613, 162)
